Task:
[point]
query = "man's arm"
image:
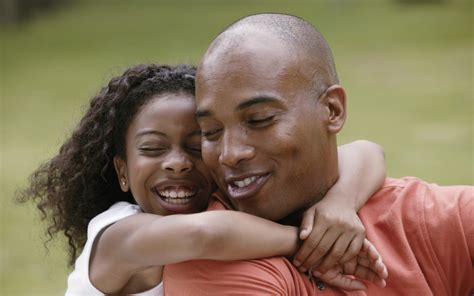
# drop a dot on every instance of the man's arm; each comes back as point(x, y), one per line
point(338, 234)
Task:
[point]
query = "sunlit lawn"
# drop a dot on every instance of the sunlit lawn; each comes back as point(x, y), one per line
point(407, 71)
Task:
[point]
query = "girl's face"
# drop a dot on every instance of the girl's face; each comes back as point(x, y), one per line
point(163, 167)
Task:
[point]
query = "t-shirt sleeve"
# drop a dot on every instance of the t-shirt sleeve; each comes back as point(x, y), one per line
point(424, 233)
point(271, 276)
point(448, 223)
point(78, 283)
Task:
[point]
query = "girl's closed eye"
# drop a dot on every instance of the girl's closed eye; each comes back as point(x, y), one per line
point(193, 143)
point(194, 148)
point(152, 150)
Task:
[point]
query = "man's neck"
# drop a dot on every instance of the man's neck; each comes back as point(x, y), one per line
point(293, 219)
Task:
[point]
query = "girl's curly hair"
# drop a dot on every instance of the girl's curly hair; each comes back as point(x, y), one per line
point(80, 181)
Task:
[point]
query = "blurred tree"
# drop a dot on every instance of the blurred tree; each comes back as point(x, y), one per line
point(15, 11)
point(420, 1)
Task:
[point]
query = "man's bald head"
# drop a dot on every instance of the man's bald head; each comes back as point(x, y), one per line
point(269, 107)
point(297, 35)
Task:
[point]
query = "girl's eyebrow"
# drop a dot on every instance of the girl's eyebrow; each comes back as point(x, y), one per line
point(149, 132)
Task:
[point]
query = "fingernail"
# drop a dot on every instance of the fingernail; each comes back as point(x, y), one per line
point(317, 273)
point(302, 269)
point(303, 233)
point(296, 263)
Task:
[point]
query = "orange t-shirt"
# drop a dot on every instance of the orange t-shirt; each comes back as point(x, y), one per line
point(424, 232)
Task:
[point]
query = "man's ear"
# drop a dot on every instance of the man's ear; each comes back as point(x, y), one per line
point(121, 170)
point(334, 100)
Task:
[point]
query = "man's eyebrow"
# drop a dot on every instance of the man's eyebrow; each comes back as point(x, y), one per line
point(256, 100)
point(242, 105)
point(203, 113)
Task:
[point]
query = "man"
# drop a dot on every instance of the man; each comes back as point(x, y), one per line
point(270, 106)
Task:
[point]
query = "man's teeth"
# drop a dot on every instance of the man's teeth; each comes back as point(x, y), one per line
point(245, 182)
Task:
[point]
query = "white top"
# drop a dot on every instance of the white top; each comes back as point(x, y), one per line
point(78, 282)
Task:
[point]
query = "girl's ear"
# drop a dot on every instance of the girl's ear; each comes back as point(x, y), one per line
point(334, 100)
point(121, 170)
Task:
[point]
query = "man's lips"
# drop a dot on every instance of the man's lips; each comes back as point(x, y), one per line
point(244, 187)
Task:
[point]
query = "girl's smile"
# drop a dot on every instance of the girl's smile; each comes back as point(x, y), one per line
point(178, 195)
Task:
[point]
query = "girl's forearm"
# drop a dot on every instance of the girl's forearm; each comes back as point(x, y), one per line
point(234, 235)
point(145, 240)
point(216, 235)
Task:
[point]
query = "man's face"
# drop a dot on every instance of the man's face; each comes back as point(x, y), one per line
point(263, 137)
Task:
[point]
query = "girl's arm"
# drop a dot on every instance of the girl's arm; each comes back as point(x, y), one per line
point(331, 228)
point(144, 240)
point(362, 172)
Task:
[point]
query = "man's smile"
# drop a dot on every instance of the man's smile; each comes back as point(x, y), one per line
point(243, 187)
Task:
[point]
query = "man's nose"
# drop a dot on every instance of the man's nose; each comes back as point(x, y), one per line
point(234, 149)
point(177, 162)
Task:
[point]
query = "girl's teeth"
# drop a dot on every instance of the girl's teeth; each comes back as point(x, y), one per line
point(176, 194)
point(178, 201)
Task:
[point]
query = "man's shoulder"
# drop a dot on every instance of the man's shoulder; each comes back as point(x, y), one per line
point(411, 188)
point(395, 192)
point(270, 276)
point(403, 182)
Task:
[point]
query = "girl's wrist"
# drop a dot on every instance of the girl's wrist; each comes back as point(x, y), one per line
point(341, 197)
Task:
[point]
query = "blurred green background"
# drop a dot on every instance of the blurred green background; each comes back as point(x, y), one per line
point(407, 69)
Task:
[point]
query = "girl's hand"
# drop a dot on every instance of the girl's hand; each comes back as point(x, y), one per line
point(332, 234)
point(367, 266)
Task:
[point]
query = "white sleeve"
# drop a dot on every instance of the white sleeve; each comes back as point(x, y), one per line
point(78, 282)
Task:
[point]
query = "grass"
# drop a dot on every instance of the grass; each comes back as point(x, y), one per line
point(407, 70)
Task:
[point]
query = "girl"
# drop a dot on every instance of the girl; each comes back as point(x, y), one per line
point(119, 185)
